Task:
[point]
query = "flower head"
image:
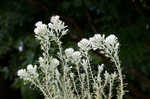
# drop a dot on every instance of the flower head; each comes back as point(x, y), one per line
point(54, 62)
point(97, 41)
point(21, 72)
point(55, 19)
point(29, 73)
point(31, 69)
point(112, 42)
point(69, 52)
point(111, 39)
point(38, 24)
point(76, 56)
point(84, 44)
point(57, 25)
point(40, 28)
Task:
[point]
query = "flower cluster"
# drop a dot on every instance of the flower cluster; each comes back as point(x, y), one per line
point(57, 24)
point(73, 55)
point(69, 74)
point(40, 27)
point(29, 73)
point(84, 44)
point(54, 62)
point(97, 41)
point(69, 52)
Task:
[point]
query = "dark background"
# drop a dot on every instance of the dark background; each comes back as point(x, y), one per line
point(129, 20)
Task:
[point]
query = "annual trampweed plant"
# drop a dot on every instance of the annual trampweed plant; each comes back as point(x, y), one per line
point(69, 73)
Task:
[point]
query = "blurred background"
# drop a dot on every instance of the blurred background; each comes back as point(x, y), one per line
point(129, 20)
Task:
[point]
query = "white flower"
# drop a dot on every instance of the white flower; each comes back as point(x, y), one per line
point(57, 25)
point(55, 19)
point(69, 52)
point(41, 59)
point(112, 43)
point(97, 41)
point(38, 24)
point(29, 73)
point(111, 39)
point(32, 70)
point(21, 72)
point(76, 56)
point(40, 27)
point(84, 44)
point(54, 62)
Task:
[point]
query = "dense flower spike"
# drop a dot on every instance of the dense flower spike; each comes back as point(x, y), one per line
point(69, 73)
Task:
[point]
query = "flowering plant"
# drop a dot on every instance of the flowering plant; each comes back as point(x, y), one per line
point(69, 75)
